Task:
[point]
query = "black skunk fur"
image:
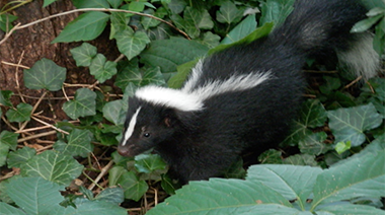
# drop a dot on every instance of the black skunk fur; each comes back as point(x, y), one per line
point(244, 96)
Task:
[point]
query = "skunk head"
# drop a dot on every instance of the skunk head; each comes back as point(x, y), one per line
point(154, 115)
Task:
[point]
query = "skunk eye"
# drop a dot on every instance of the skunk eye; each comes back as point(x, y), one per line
point(146, 135)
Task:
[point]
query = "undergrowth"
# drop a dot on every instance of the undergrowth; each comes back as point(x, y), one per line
point(70, 166)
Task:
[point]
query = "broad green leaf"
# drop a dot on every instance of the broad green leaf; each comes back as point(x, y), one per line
point(275, 11)
point(91, 4)
point(131, 44)
point(152, 76)
point(349, 124)
point(5, 96)
point(210, 40)
point(148, 163)
point(86, 207)
point(119, 24)
point(168, 54)
point(115, 173)
point(84, 54)
point(222, 196)
point(301, 159)
point(115, 3)
point(292, 182)
point(351, 209)
point(137, 6)
point(34, 194)
point(19, 157)
point(9, 138)
point(199, 18)
point(79, 143)
point(52, 166)
point(82, 105)
point(4, 149)
point(133, 187)
point(313, 114)
point(45, 74)
point(177, 6)
point(6, 209)
point(22, 113)
point(85, 27)
point(363, 176)
point(6, 22)
point(365, 24)
point(113, 195)
point(102, 69)
point(48, 2)
point(244, 28)
point(229, 13)
point(314, 144)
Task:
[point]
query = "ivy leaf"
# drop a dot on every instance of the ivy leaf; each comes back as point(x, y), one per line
point(91, 4)
point(341, 147)
point(349, 124)
point(6, 22)
point(4, 149)
point(133, 187)
point(119, 23)
point(131, 44)
point(229, 13)
point(45, 74)
point(102, 69)
point(83, 104)
point(34, 194)
point(114, 195)
point(115, 3)
point(84, 54)
point(128, 73)
point(148, 163)
point(85, 27)
point(5, 96)
point(21, 114)
point(313, 114)
point(52, 166)
point(314, 144)
point(152, 76)
point(9, 138)
point(301, 159)
point(19, 157)
point(114, 112)
point(200, 19)
point(179, 78)
point(168, 54)
point(79, 143)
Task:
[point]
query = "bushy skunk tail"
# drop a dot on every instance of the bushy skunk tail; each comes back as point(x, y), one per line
point(318, 26)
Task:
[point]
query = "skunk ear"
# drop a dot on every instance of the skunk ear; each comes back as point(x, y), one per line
point(167, 121)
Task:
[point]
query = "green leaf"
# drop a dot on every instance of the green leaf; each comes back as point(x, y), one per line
point(152, 76)
point(148, 163)
point(210, 40)
point(113, 195)
point(133, 187)
point(244, 28)
point(365, 24)
point(4, 149)
point(6, 209)
point(114, 112)
point(271, 156)
point(22, 113)
point(115, 173)
point(313, 114)
point(90, 4)
point(136, 6)
point(115, 3)
point(314, 144)
point(301, 159)
point(360, 177)
point(19, 157)
point(292, 182)
point(349, 124)
point(83, 104)
point(200, 19)
point(341, 147)
point(9, 138)
point(179, 78)
point(128, 73)
point(79, 143)
point(48, 2)
point(351, 209)
point(6, 22)
point(119, 24)
point(86, 27)
point(34, 194)
point(229, 13)
point(330, 85)
point(131, 44)
point(223, 196)
point(5, 96)
point(168, 54)
point(52, 166)
point(102, 69)
point(84, 54)
point(275, 11)
point(86, 207)
point(45, 74)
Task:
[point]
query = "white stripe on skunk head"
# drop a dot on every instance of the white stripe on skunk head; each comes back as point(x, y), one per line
point(131, 127)
point(170, 98)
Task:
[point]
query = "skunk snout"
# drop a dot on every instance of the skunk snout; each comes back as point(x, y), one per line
point(125, 151)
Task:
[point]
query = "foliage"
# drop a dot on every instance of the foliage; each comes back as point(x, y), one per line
point(339, 136)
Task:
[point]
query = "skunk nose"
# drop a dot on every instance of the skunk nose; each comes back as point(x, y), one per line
point(123, 151)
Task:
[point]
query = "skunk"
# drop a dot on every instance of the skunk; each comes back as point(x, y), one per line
point(244, 96)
